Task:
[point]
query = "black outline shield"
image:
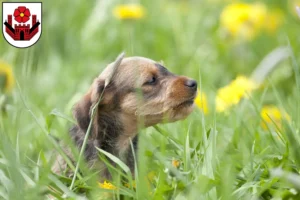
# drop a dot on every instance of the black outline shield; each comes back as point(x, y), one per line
point(22, 34)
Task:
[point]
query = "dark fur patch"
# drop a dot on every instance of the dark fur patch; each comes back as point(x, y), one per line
point(108, 130)
point(130, 157)
point(90, 152)
point(82, 112)
point(163, 71)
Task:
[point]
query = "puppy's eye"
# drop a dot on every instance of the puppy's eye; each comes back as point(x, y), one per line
point(151, 81)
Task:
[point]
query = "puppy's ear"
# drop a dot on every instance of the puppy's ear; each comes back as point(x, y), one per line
point(83, 108)
point(81, 111)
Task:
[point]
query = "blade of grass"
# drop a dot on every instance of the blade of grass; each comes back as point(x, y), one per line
point(187, 153)
point(55, 112)
point(290, 177)
point(50, 138)
point(116, 160)
point(64, 188)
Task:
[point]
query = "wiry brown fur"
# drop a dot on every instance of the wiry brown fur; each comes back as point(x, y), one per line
point(128, 98)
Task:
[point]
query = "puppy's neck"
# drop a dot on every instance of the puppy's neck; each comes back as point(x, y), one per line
point(114, 131)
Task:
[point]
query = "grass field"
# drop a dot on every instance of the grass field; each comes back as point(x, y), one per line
point(243, 144)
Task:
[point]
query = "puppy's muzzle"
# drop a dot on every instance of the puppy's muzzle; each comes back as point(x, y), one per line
point(191, 84)
point(186, 90)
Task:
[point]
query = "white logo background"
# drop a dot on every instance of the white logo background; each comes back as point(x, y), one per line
point(35, 9)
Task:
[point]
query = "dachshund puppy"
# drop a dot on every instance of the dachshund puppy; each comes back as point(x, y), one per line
point(140, 91)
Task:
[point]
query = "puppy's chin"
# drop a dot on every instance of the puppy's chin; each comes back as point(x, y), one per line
point(181, 111)
point(176, 113)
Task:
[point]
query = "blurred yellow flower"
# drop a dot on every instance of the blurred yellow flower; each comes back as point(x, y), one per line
point(233, 93)
point(107, 185)
point(271, 115)
point(201, 102)
point(7, 80)
point(243, 20)
point(129, 11)
point(175, 163)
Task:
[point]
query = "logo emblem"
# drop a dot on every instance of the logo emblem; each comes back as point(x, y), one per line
point(22, 23)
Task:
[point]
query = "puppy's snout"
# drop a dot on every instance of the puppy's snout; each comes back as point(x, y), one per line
point(192, 84)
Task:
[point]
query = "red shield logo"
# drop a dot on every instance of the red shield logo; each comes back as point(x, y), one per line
point(22, 23)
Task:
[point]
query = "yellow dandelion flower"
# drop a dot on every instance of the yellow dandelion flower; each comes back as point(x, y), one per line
point(271, 115)
point(232, 94)
point(107, 185)
point(128, 185)
point(7, 80)
point(201, 102)
point(175, 163)
point(151, 176)
point(129, 11)
point(242, 20)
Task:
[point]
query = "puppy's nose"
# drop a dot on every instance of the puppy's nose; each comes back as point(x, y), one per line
point(191, 84)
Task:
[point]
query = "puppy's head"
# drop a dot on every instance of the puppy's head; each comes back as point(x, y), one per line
point(140, 88)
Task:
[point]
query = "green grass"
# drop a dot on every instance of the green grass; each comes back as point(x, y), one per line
point(222, 155)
